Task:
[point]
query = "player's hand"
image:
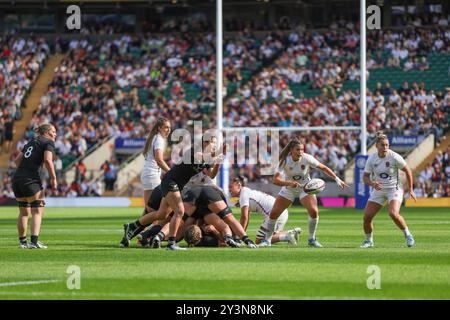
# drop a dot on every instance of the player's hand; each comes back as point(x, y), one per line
point(376, 185)
point(412, 195)
point(341, 183)
point(294, 184)
point(54, 184)
point(219, 159)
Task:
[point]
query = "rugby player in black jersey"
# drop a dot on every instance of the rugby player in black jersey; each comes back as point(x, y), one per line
point(27, 184)
point(171, 186)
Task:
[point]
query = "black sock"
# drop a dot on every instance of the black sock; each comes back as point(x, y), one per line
point(23, 239)
point(171, 240)
point(34, 239)
point(136, 225)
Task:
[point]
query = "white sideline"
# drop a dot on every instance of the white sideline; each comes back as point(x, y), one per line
point(25, 283)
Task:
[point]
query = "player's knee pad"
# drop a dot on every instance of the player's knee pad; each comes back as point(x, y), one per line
point(222, 214)
point(38, 204)
point(23, 204)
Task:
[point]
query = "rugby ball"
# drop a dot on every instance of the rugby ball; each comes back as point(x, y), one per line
point(314, 186)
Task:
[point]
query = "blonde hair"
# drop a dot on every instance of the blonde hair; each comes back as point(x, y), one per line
point(43, 128)
point(381, 136)
point(284, 153)
point(159, 123)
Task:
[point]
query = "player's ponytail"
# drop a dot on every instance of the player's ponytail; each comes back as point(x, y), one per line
point(43, 128)
point(159, 123)
point(285, 152)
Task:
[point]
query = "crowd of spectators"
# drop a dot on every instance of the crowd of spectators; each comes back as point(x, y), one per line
point(434, 180)
point(21, 60)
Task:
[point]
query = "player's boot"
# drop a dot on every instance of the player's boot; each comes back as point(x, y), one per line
point(265, 243)
point(291, 238)
point(125, 242)
point(230, 241)
point(367, 244)
point(297, 232)
point(410, 240)
point(174, 246)
point(314, 243)
point(156, 242)
point(23, 245)
point(37, 245)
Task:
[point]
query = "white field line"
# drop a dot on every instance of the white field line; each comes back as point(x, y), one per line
point(25, 283)
point(170, 295)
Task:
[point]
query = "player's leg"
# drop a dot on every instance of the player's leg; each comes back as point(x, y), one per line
point(37, 205)
point(310, 203)
point(370, 211)
point(224, 212)
point(394, 213)
point(147, 195)
point(176, 203)
point(282, 202)
point(215, 221)
point(22, 221)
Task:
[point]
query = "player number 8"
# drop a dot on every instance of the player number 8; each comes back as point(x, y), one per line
point(28, 152)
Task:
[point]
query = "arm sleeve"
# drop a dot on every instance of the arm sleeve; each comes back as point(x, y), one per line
point(313, 162)
point(244, 199)
point(401, 163)
point(368, 167)
point(158, 143)
point(50, 146)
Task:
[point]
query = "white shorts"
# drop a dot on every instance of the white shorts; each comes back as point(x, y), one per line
point(279, 225)
point(150, 181)
point(380, 196)
point(291, 194)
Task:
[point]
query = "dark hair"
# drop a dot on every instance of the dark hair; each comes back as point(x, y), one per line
point(284, 153)
point(241, 179)
point(43, 128)
point(159, 123)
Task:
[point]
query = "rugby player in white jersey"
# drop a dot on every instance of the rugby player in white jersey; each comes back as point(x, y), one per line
point(295, 165)
point(381, 173)
point(153, 152)
point(260, 202)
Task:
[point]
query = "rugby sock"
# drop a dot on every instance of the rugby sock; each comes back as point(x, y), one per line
point(406, 232)
point(23, 239)
point(369, 237)
point(171, 241)
point(135, 225)
point(270, 228)
point(312, 226)
point(284, 237)
point(34, 239)
point(161, 235)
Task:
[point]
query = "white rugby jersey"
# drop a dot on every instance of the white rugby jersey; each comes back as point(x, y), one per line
point(299, 170)
point(385, 170)
point(198, 180)
point(257, 201)
point(150, 164)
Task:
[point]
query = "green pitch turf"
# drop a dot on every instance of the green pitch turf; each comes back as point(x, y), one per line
point(88, 238)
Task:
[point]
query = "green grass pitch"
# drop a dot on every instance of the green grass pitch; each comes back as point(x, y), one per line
point(88, 238)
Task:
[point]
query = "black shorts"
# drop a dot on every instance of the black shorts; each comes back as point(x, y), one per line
point(208, 240)
point(201, 212)
point(204, 195)
point(169, 185)
point(155, 199)
point(26, 187)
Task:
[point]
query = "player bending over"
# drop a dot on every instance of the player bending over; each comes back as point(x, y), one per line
point(381, 173)
point(257, 201)
point(295, 164)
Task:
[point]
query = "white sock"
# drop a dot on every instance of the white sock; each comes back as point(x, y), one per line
point(369, 237)
point(406, 232)
point(284, 237)
point(270, 229)
point(312, 226)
